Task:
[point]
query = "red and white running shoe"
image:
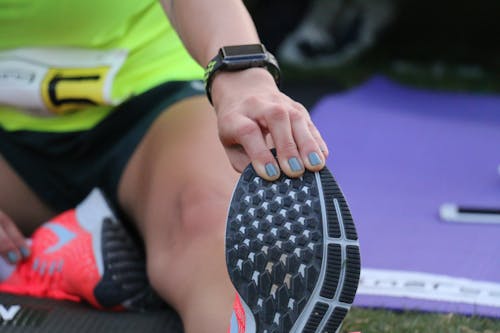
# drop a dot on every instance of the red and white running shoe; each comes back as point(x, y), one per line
point(85, 254)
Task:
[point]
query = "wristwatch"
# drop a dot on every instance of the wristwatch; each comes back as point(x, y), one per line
point(239, 57)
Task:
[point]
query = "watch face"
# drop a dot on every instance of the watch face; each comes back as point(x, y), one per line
point(243, 50)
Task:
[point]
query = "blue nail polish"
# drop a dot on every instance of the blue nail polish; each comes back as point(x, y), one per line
point(25, 252)
point(271, 170)
point(314, 158)
point(294, 164)
point(13, 257)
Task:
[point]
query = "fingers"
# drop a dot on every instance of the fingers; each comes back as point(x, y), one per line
point(238, 158)
point(278, 123)
point(247, 133)
point(319, 139)
point(313, 148)
point(298, 143)
point(251, 126)
point(13, 247)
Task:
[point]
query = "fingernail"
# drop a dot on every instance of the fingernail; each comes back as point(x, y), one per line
point(314, 158)
point(25, 252)
point(295, 164)
point(271, 170)
point(13, 257)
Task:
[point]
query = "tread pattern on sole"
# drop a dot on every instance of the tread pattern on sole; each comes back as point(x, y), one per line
point(277, 247)
point(124, 281)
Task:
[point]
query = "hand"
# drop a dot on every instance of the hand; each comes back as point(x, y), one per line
point(13, 246)
point(253, 116)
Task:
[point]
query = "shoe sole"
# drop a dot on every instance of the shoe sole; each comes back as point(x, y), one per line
point(292, 252)
point(121, 262)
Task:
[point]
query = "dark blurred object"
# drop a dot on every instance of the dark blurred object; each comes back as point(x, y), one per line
point(320, 32)
point(308, 33)
point(460, 32)
point(275, 19)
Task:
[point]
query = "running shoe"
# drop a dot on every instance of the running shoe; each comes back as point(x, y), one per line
point(85, 254)
point(292, 253)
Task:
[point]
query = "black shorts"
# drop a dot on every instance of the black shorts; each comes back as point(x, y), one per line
point(62, 168)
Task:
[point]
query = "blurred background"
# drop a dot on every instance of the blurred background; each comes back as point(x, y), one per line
point(335, 44)
point(423, 130)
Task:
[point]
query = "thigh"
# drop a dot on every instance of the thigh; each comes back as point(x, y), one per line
point(179, 159)
point(19, 202)
point(177, 187)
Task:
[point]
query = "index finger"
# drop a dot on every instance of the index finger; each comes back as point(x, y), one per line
point(249, 135)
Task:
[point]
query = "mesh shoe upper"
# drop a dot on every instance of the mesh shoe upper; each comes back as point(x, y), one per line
point(85, 254)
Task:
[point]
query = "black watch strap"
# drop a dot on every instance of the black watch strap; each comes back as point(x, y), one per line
point(237, 58)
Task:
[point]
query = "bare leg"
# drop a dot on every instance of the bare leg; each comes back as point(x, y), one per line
point(19, 202)
point(177, 187)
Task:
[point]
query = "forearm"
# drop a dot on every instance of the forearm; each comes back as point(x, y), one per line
point(205, 26)
point(251, 111)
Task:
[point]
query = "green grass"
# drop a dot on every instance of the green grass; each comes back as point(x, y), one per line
point(380, 321)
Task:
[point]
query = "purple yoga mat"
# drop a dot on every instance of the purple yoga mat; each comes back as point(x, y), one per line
point(399, 153)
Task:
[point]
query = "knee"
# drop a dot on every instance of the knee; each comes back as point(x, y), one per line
point(199, 229)
point(202, 211)
point(174, 230)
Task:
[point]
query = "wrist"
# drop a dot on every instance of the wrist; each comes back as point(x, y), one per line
point(226, 84)
point(238, 58)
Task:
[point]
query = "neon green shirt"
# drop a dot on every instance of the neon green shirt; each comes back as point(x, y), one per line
point(140, 29)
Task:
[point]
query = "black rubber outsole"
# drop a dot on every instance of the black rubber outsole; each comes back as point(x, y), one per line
point(125, 280)
point(37, 315)
point(292, 252)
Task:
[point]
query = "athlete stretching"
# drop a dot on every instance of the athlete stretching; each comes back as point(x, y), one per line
point(101, 94)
